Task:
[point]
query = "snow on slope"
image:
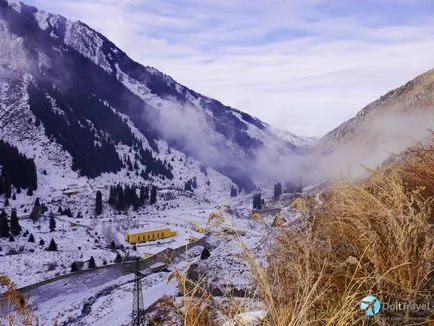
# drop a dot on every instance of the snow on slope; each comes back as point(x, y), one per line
point(80, 238)
point(294, 139)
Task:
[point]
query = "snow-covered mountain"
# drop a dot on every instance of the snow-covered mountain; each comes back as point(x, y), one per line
point(302, 142)
point(72, 99)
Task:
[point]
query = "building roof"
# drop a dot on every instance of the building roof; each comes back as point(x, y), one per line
point(144, 230)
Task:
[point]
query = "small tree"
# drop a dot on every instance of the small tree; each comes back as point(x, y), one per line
point(278, 189)
point(74, 267)
point(52, 246)
point(4, 225)
point(118, 258)
point(205, 254)
point(36, 211)
point(92, 263)
point(234, 192)
point(153, 195)
point(67, 212)
point(41, 242)
point(257, 202)
point(113, 244)
point(29, 191)
point(15, 224)
point(98, 203)
point(31, 238)
point(52, 223)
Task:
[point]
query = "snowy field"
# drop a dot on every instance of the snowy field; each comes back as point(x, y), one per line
point(108, 296)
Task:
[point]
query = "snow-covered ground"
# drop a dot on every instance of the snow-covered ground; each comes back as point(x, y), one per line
point(78, 239)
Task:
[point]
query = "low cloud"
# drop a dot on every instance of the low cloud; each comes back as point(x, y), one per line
point(188, 127)
point(367, 147)
point(301, 65)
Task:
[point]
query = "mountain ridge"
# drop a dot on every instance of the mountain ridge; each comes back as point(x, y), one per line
point(69, 66)
point(415, 95)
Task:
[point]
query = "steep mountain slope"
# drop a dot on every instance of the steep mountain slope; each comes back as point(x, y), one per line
point(68, 87)
point(413, 102)
point(385, 127)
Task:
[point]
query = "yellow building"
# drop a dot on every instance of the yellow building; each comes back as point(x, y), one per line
point(201, 229)
point(145, 235)
point(192, 239)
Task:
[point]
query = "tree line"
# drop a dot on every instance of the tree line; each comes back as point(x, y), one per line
point(16, 170)
point(289, 187)
point(124, 197)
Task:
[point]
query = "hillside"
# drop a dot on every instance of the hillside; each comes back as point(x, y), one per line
point(93, 145)
point(66, 82)
point(403, 106)
point(384, 127)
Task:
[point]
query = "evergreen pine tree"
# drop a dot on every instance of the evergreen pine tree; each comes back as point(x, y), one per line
point(67, 212)
point(257, 202)
point(29, 191)
point(142, 197)
point(52, 246)
point(113, 245)
point(36, 211)
point(120, 205)
point(277, 190)
point(15, 224)
point(153, 195)
point(7, 186)
point(41, 242)
point(74, 267)
point(4, 225)
point(112, 197)
point(188, 186)
point(33, 176)
point(147, 193)
point(234, 192)
point(31, 238)
point(118, 259)
point(98, 203)
point(134, 199)
point(52, 222)
point(205, 254)
point(92, 263)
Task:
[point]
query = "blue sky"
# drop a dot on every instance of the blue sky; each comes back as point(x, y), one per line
point(302, 65)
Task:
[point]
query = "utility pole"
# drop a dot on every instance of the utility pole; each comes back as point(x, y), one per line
point(138, 306)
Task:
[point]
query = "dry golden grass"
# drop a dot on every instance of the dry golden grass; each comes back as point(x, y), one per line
point(199, 307)
point(372, 238)
point(196, 301)
point(21, 312)
point(376, 238)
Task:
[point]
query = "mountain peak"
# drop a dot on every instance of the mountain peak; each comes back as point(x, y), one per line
point(81, 86)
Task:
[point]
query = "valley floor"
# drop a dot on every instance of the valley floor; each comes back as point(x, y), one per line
point(105, 297)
